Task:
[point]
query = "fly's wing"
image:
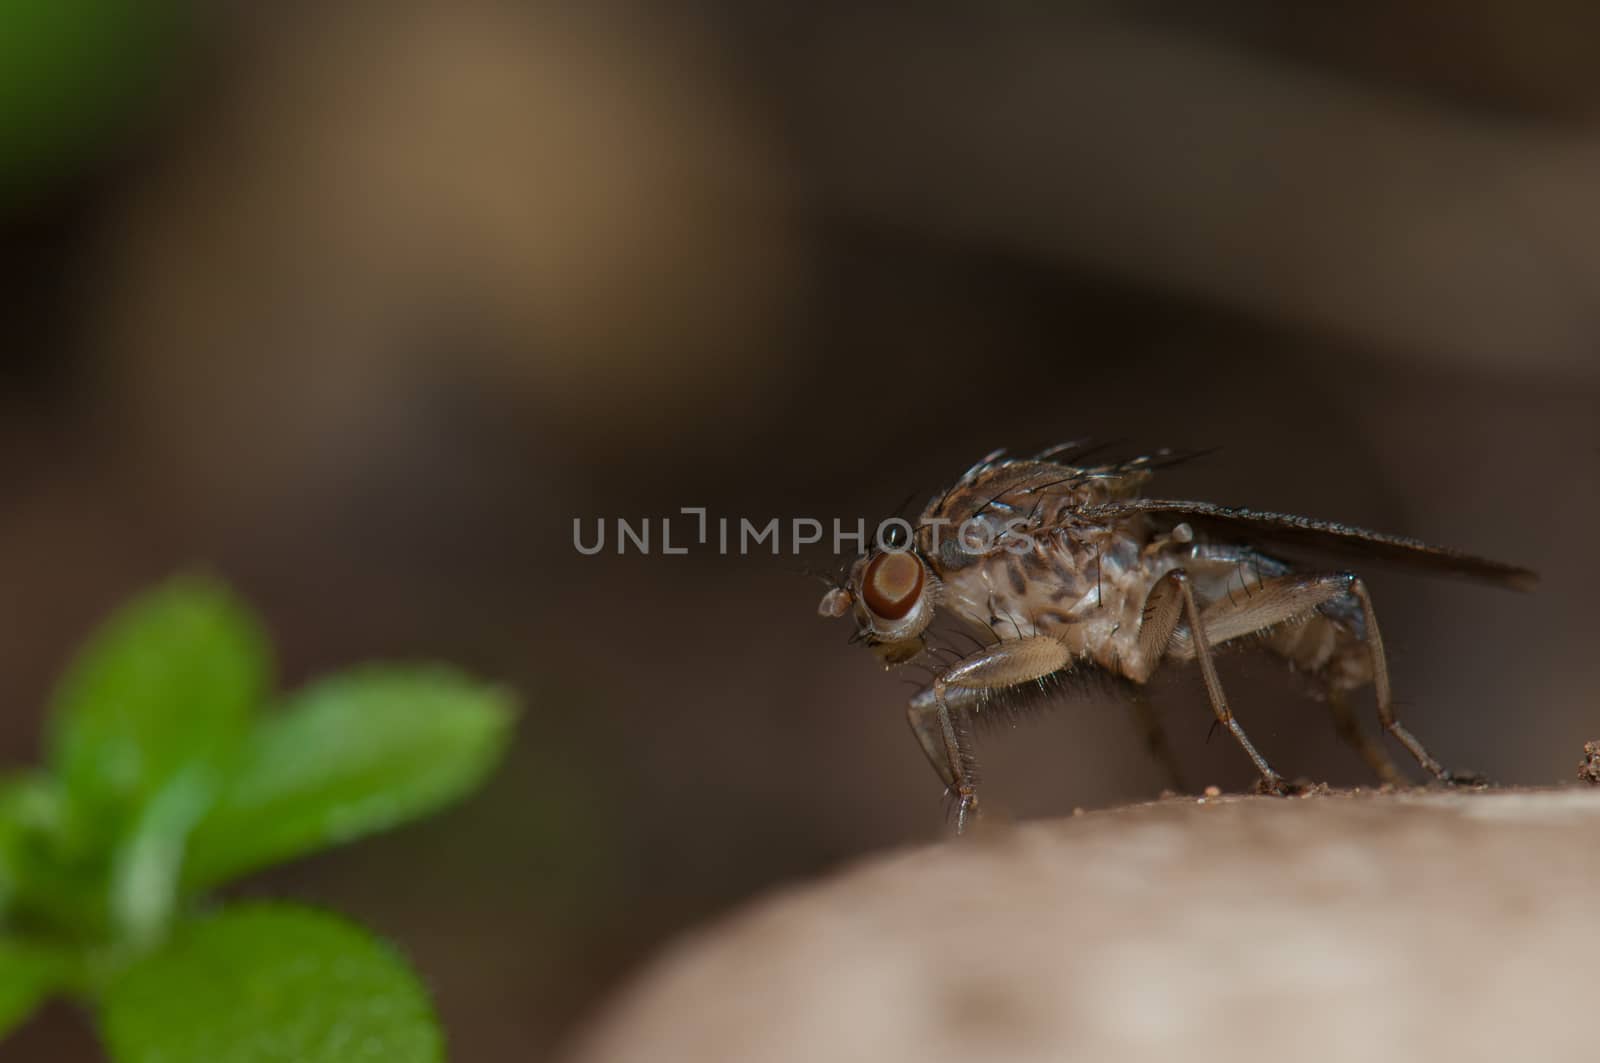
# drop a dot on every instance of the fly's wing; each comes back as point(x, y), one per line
point(1324, 536)
point(1011, 487)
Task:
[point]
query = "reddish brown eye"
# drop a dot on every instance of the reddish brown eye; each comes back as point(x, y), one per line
point(892, 584)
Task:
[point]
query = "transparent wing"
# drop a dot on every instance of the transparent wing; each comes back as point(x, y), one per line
point(1323, 536)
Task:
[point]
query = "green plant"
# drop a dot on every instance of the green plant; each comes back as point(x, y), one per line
point(168, 773)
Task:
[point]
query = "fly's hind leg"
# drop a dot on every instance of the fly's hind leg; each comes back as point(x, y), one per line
point(938, 715)
point(1281, 599)
point(1350, 732)
point(1380, 685)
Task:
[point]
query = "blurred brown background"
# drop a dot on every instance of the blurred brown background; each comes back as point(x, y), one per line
point(363, 304)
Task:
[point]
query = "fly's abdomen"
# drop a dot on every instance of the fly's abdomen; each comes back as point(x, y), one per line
point(1326, 647)
point(1326, 642)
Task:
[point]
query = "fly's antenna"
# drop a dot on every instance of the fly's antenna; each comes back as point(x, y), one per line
point(841, 573)
point(831, 571)
point(809, 571)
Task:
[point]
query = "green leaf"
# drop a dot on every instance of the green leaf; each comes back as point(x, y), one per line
point(28, 974)
point(270, 984)
point(29, 808)
point(146, 870)
point(46, 883)
point(171, 678)
point(348, 756)
point(72, 73)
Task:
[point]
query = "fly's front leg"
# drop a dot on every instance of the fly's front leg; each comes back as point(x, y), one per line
point(1174, 597)
point(953, 761)
point(937, 714)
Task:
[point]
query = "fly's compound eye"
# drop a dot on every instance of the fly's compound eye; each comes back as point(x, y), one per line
point(892, 584)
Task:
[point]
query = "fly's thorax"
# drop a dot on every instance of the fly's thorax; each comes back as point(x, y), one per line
point(1052, 583)
point(1087, 590)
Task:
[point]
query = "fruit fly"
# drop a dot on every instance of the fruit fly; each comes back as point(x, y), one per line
point(1058, 566)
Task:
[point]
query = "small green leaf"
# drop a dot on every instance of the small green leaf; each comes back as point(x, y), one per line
point(145, 872)
point(171, 678)
point(270, 984)
point(348, 756)
point(29, 808)
point(46, 882)
point(72, 75)
point(28, 974)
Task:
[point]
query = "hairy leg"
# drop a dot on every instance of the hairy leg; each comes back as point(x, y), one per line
point(936, 713)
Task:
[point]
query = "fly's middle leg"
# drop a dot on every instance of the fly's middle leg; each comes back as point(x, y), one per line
point(938, 714)
point(1155, 739)
point(1172, 599)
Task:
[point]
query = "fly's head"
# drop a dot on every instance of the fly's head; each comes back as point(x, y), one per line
point(890, 593)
